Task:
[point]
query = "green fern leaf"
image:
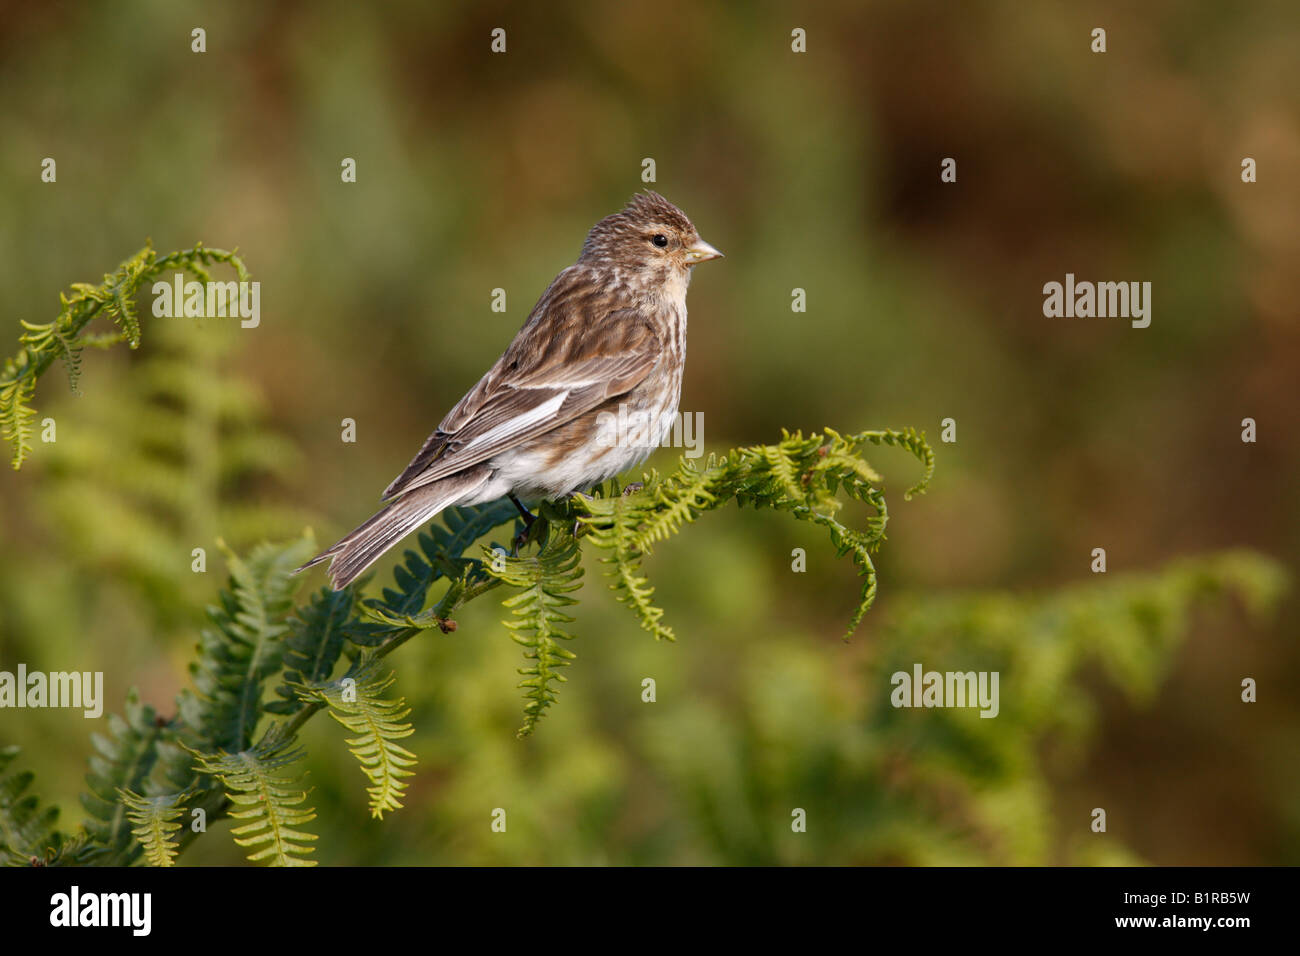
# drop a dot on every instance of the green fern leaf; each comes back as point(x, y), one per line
point(677, 501)
point(804, 476)
point(860, 546)
point(27, 829)
point(441, 555)
point(122, 760)
point(16, 417)
point(909, 439)
point(155, 823)
point(270, 802)
point(357, 702)
point(245, 645)
point(314, 644)
point(543, 583)
point(613, 524)
point(64, 338)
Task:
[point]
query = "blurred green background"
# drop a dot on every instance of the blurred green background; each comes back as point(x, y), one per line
point(816, 170)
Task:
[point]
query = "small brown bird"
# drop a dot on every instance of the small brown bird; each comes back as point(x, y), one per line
point(607, 336)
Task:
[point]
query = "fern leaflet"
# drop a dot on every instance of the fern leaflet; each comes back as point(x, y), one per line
point(544, 582)
point(357, 702)
point(26, 828)
point(270, 802)
point(155, 824)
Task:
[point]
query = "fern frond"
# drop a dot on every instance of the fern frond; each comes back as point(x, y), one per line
point(612, 523)
point(356, 701)
point(245, 645)
point(27, 829)
point(198, 259)
point(100, 340)
point(783, 468)
point(543, 583)
point(859, 545)
point(155, 823)
point(677, 501)
point(441, 555)
point(123, 760)
point(314, 644)
point(121, 310)
point(71, 359)
point(16, 417)
point(64, 338)
point(634, 590)
point(805, 476)
point(911, 440)
point(39, 336)
point(268, 800)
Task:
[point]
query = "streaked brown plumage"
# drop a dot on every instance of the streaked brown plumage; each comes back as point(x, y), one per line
point(609, 331)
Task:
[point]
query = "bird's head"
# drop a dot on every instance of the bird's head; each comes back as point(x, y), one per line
point(650, 238)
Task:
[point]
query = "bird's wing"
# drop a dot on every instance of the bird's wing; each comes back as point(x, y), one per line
point(578, 349)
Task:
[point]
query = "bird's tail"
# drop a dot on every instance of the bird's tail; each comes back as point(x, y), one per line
point(356, 551)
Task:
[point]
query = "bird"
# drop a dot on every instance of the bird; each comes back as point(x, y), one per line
point(605, 345)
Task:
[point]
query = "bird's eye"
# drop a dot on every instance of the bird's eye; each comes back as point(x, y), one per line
point(660, 240)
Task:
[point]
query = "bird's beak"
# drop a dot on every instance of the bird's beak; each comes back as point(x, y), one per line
point(700, 251)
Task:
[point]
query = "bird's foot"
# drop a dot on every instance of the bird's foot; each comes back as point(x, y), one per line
point(632, 488)
point(577, 524)
point(527, 515)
